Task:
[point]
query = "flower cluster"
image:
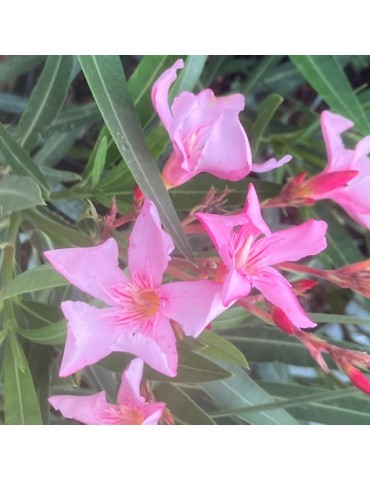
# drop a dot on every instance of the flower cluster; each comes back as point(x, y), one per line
point(139, 314)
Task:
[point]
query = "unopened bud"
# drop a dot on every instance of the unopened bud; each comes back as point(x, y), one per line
point(358, 379)
point(301, 286)
point(138, 197)
point(282, 321)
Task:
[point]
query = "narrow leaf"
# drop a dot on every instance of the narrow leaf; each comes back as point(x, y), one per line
point(18, 159)
point(20, 400)
point(189, 75)
point(12, 103)
point(13, 67)
point(75, 118)
point(108, 85)
point(326, 76)
point(259, 73)
point(99, 162)
point(266, 111)
point(18, 193)
point(46, 100)
point(54, 334)
point(221, 349)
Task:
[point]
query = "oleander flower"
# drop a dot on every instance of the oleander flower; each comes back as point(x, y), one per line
point(248, 259)
point(137, 317)
point(345, 179)
point(206, 133)
point(132, 409)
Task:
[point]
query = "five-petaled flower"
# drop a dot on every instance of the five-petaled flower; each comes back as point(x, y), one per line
point(137, 319)
point(248, 259)
point(206, 133)
point(132, 409)
point(345, 179)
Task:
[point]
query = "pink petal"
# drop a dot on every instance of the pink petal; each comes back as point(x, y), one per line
point(86, 409)
point(289, 245)
point(362, 148)
point(129, 391)
point(270, 164)
point(160, 93)
point(235, 286)
point(277, 290)
point(321, 185)
point(333, 126)
point(192, 304)
point(154, 342)
point(149, 246)
point(226, 153)
point(252, 209)
point(93, 270)
point(152, 412)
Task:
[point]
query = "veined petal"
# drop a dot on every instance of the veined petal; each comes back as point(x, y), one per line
point(154, 342)
point(86, 409)
point(226, 153)
point(160, 93)
point(333, 126)
point(129, 391)
point(192, 304)
point(252, 209)
point(289, 245)
point(277, 290)
point(90, 336)
point(270, 164)
point(149, 246)
point(93, 270)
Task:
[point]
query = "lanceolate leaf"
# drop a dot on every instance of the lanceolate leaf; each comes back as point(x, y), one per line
point(18, 159)
point(265, 113)
point(46, 100)
point(20, 400)
point(19, 193)
point(109, 87)
point(54, 334)
point(15, 66)
point(326, 76)
point(189, 75)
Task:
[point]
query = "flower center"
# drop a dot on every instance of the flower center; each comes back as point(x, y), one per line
point(148, 302)
point(123, 415)
point(138, 302)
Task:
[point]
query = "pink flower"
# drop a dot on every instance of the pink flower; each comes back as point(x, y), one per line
point(138, 313)
point(248, 259)
point(345, 179)
point(206, 133)
point(132, 409)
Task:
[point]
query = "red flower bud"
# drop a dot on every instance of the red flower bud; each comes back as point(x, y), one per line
point(282, 321)
point(358, 379)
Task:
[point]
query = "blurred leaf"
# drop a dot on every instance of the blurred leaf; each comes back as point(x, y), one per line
point(54, 334)
point(12, 103)
point(107, 82)
point(260, 71)
point(18, 159)
point(39, 278)
point(38, 314)
point(17, 65)
point(46, 100)
point(3, 334)
point(189, 75)
point(338, 319)
point(74, 118)
point(20, 400)
point(241, 391)
point(99, 162)
point(55, 148)
point(266, 111)
point(221, 349)
point(18, 193)
point(184, 409)
point(233, 317)
point(326, 76)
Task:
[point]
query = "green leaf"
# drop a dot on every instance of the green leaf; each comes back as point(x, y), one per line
point(99, 162)
point(74, 118)
point(182, 407)
point(338, 319)
point(54, 334)
point(18, 159)
point(3, 335)
point(241, 391)
point(20, 400)
point(39, 278)
point(189, 75)
point(259, 73)
point(55, 148)
point(221, 349)
point(39, 314)
point(326, 76)
point(12, 103)
point(18, 193)
point(15, 66)
point(46, 100)
point(108, 85)
point(266, 111)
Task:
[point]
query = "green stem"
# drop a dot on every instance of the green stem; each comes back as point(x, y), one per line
point(6, 275)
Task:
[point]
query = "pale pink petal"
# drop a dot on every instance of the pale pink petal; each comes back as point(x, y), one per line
point(86, 409)
point(362, 149)
point(359, 212)
point(160, 93)
point(90, 335)
point(252, 209)
point(154, 342)
point(93, 270)
point(149, 246)
point(129, 391)
point(152, 412)
point(333, 126)
point(226, 153)
point(192, 304)
point(270, 164)
point(289, 245)
point(277, 290)
point(235, 286)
